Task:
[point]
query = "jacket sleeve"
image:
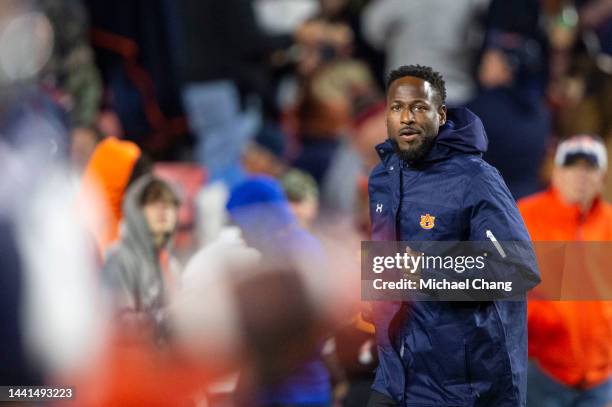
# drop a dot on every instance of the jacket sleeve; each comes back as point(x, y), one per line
point(497, 229)
point(120, 286)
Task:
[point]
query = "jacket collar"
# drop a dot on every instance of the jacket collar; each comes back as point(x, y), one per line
point(385, 149)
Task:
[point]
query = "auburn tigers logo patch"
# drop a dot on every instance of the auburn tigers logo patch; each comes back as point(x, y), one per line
point(428, 221)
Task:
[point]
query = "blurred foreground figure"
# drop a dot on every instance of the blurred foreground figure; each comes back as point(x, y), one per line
point(45, 266)
point(262, 211)
point(569, 341)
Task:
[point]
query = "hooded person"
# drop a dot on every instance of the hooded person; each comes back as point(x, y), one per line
point(432, 185)
point(139, 268)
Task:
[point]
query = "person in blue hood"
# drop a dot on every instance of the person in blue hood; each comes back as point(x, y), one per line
point(441, 353)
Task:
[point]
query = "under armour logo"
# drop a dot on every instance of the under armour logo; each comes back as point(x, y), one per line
point(379, 207)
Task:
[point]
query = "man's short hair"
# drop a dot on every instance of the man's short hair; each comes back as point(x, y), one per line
point(423, 72)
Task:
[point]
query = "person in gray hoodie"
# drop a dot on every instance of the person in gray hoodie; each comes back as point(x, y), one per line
point(138, 268)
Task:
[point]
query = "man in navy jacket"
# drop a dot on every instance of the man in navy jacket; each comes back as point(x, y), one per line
point(436, 353)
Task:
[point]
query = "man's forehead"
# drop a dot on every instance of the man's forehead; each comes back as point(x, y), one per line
point(410, 87)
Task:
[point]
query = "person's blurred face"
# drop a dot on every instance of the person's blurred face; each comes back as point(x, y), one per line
point(579, 183)
point(83, 144)
point(161, 216)
point(414, 116)
point(305, 211)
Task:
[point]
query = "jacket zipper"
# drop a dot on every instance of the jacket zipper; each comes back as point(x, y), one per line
point(468, 373)
point(498, 246)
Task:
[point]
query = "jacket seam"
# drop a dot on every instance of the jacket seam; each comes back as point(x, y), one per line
point(506, 354)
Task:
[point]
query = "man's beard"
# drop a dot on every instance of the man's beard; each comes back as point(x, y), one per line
point(415, 156)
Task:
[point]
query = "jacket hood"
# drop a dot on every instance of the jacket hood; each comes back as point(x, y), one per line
point(463, 132)
point(135, 229)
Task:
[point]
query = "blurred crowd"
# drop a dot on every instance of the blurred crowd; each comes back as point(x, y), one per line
point(184, 186)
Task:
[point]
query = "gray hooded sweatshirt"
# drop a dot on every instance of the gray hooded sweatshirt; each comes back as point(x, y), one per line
point(132, 267)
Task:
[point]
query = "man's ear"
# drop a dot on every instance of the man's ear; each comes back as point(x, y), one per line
point(442, 114)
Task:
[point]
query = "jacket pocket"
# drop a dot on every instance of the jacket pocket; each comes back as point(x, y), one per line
point(455, 368)
point(450, 361)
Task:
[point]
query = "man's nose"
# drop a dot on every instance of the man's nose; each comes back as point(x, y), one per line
point(407, 116)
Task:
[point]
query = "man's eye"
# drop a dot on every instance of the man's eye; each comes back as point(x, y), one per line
point(396, 108)
point(420, 108)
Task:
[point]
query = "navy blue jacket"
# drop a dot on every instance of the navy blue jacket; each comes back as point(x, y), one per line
point(451, 353)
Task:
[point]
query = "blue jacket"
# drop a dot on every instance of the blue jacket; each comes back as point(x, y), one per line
point(451, 353)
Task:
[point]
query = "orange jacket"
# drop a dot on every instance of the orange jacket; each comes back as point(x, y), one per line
point(107, 174)
point(571, 340)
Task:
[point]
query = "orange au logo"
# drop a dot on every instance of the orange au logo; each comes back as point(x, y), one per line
point(428, 221)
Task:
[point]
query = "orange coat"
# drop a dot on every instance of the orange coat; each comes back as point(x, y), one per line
point(571, 340)
point(106, 175)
